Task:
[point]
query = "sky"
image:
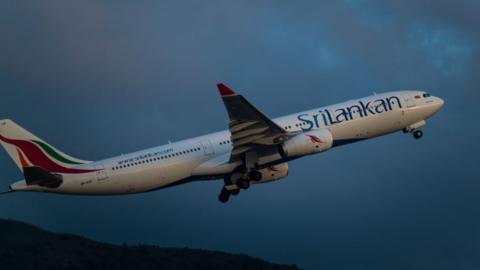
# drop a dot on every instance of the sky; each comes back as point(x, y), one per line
point(102, 78)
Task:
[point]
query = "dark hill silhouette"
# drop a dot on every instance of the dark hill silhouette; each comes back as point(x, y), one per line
point(23, 246)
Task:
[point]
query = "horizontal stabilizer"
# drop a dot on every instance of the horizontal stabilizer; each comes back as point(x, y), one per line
point(39, 176)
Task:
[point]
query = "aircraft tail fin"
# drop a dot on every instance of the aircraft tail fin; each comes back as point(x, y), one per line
point(28, 150)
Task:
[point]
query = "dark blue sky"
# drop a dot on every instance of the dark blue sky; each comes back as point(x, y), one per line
point(100, 78)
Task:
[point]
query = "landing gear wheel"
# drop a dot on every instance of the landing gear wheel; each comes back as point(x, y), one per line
point(235, 192)
point(243, 183)
point(256, 175)
point(224, 195)
point(417, 134)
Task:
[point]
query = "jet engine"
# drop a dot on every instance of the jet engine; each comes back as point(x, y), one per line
point(308, 143)
point(273, 173)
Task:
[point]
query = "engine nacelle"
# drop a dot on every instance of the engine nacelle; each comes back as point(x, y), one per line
point(308, 143)
point(273, 173)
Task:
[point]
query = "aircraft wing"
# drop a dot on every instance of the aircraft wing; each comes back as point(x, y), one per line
point(248, 126)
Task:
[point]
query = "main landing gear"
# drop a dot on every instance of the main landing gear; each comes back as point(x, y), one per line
point(233, 186)
point(225, 193)
point(243, 183)
point(233, 189)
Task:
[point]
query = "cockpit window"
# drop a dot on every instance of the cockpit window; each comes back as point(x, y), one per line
point(426, 95)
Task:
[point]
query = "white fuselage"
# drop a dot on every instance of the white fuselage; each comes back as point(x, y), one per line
point(207, 157)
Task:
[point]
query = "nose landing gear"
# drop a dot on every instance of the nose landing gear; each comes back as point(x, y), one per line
point(417, 134)
point(414, 129)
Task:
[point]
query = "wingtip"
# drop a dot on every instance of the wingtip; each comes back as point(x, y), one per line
point(225, 90)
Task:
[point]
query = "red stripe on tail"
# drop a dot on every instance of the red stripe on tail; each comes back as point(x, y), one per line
point(38, 158)
point(23, 161)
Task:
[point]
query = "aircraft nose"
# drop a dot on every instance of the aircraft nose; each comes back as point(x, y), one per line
point(439, 103)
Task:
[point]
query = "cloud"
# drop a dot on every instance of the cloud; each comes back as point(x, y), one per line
point(448, 51)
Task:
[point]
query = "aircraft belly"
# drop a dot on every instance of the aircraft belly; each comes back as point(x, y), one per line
point(216, 166)
point(367, 127)
point(175, 172)
point(416, 114)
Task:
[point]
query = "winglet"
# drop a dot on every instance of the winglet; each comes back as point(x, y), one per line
point(224, 90)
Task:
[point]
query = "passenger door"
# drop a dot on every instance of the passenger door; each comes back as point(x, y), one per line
point(101, 173)
point(207, 147)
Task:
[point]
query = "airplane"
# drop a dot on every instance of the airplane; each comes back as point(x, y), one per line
point(255, 149)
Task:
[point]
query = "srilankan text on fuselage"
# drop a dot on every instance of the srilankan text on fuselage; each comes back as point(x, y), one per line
point(327, 117)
